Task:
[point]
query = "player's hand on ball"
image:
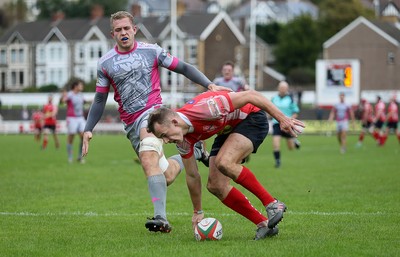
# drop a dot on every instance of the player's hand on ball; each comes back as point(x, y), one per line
point(196, 218)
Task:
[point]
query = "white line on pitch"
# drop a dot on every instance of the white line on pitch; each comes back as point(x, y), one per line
point(110, 214)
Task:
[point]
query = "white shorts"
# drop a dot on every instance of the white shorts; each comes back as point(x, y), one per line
point(342, 125)
point(133, 130)
point(75, 125)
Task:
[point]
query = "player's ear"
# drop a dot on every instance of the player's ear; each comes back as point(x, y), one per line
point(174, 122)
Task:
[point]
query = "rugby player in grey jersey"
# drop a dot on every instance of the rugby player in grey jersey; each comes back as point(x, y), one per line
point(132, 69)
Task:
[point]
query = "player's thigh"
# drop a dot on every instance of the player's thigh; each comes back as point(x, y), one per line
point(81, 125)
point(235, 148)
point(72, 126)
point(290, 143)
point(276, 142)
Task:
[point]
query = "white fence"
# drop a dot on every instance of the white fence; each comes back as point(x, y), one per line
point(26, 127)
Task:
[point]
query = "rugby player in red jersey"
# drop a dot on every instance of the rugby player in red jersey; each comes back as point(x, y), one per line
point(240, 122)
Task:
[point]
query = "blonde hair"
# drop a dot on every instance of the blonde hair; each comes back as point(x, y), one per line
point(120, 15)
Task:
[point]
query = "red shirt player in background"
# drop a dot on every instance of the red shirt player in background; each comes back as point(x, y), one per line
point(367, 119)
point(37, 120)
point(50, 122)
point(392, 120)
point(379, 120)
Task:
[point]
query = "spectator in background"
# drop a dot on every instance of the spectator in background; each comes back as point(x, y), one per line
point(367, 119)
point(379, 120)
point(229, 80)
point(342, 112)
point(391, 121)
point(50, 122)
point(285, 103)
point(75, 117)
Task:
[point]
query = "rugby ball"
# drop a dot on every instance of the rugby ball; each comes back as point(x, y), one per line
point(298, 129)
point(208, 229)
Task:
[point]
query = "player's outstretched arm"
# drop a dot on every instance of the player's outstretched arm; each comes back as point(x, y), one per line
point(193, 181)
point(287, 124)
point(95, 113)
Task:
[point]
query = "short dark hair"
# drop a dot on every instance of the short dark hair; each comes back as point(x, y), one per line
point(229, 63)
point(159, 116)
point(75, 83)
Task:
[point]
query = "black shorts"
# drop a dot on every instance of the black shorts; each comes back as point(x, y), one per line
point(392, 125)
point(51, 127)
point(366, 125)
point(255, 127)
point(379, 124)
point(279, 132)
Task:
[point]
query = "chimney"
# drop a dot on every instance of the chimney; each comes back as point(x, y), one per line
point(57, 16)
point(96, 12)
point(180, 8)
point(136, 10)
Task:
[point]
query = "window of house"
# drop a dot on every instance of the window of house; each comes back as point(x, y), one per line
point(21, 57)
point(91, 52)
point(52, 54)
point(3, 56)
point(192, 52)
point(100, 52)
point(3, 81)
point(390, 58)
point(42, 56)
point(13, 56)
point(21, 78)
point(60, 53)
point(93, 74)
point(13, 78)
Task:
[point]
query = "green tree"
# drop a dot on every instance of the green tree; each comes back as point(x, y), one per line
point(334, 15)
point(298, 45)
point(14, 12)
point(79, 8)
point(269, 33)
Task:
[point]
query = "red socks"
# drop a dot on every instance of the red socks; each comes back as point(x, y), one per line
point(250, 182)
point(240, 204)
point(44, 144)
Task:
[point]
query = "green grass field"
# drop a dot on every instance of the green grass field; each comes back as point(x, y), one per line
point(338, 205)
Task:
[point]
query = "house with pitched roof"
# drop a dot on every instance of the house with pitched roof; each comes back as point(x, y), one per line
point(51, 52)
point(376, 44)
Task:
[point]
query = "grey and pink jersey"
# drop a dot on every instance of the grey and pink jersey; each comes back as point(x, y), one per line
point(75, 102)
point(134, 75)
point(342, 112)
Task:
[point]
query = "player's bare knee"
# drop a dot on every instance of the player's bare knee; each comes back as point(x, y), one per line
point(224, 164)
point(214, 189)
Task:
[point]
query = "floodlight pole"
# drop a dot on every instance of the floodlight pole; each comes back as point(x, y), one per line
point(252, 47)
point(174, 78)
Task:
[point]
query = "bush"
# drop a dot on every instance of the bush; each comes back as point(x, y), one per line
point(30, 90)
point(48, 88)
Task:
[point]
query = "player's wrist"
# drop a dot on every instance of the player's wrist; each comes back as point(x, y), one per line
point(198, 211)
